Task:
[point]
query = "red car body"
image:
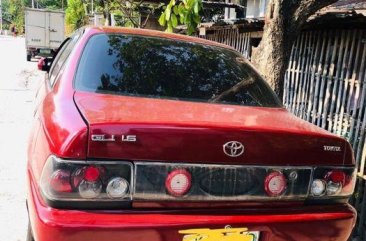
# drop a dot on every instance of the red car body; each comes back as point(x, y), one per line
point(180, 132)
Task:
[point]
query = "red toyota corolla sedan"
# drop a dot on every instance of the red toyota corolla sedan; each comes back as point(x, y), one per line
point(148, 136)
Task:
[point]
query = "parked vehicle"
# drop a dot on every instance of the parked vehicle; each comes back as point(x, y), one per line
point(150, 136)
point(44, 31)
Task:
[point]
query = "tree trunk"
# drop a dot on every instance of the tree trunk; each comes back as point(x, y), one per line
point(284, 21)
point(106, 12)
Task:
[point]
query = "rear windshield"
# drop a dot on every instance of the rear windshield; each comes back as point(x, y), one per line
point(164, 68)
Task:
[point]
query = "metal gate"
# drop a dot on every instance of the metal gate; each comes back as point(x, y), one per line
point(326, 84)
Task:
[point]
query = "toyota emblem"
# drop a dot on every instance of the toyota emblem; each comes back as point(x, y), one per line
point(233, 148)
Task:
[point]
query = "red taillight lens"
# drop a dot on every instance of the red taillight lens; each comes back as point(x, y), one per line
point(178, 182)
point(60, 181)
point(91, 174)
point(336, 176)
point(275, 183)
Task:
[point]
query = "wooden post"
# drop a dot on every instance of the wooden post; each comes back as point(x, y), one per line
point(310, 55)
point(318, 78)
point(337, 81)
point(346, 83)
point(313, 76)
point(330, 81)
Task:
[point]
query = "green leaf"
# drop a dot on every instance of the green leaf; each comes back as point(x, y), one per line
point(187, 19)
point(174, 20)
point(196, 8)
point(180, 9)
point(189, 16)
point(170, 27)
point(182, 12)
point(175, 10)
point(168, 11)
point(190, 29)
point(162, 20)
point(197, 19)
point(181, 19)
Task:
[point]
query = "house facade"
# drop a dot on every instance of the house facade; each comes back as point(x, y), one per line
point(253, 9)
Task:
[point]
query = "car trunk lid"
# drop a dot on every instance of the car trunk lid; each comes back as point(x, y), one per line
point(182, 131)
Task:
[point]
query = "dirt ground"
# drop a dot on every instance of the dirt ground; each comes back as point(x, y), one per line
point(19, 81)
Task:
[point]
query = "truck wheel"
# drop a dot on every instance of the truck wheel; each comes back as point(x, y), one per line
point(29, 57)
point(29, 233)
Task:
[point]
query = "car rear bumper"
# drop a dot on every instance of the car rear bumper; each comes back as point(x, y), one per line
point(301, 224)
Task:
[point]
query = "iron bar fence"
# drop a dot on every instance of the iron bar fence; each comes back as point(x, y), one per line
point(325, 84)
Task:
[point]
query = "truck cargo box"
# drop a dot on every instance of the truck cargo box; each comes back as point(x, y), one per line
point(44, 31)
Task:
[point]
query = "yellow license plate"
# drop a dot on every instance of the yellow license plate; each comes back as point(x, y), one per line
point(226, 234)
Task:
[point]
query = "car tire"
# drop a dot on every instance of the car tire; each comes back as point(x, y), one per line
point(29, 233)
point(29, 57)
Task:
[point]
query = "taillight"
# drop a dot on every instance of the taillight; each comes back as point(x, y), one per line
point(115, 184)
point(89, 190)
point(60, 181)
point(178, 182)
point(275, 183)
point(117, 187)
point(91, 174)
point(88, 181)
point(65, 183)
point(333, 182)
point(337, 176)
point(318, 187)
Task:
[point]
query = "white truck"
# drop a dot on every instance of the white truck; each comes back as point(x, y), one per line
point(44, 31)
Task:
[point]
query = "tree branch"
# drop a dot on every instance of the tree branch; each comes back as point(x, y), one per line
point(145, 22)
point(307, 8)
point(284, 21)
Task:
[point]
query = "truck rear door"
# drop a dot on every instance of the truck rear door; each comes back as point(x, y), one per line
point(56, 29)
point(35, 26)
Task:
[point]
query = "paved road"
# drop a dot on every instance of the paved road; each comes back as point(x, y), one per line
point(18, 82)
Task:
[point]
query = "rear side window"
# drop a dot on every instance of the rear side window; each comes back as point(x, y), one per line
point(57, 63)
point(62, 56)
point(163, 68)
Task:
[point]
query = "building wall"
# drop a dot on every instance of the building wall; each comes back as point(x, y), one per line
point(256, 8)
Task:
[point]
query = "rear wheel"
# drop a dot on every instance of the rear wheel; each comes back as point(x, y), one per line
point(29, 57)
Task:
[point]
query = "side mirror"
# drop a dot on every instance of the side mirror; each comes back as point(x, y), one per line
point(44, 64)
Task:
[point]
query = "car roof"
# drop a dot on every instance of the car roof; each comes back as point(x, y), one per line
point(91, 30)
